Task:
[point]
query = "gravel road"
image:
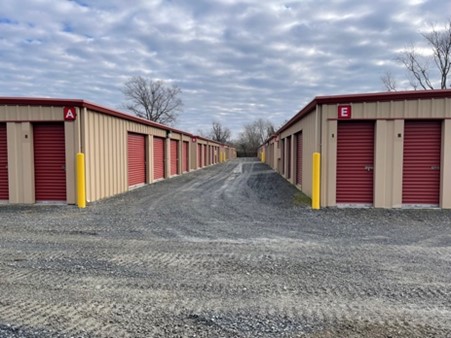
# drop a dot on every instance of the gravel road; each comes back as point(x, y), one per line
point(223, 252)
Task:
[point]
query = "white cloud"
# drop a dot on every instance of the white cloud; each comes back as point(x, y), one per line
point(235, 60)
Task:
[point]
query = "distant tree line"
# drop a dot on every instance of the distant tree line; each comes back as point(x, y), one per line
point(159, 102)
point(253, 135)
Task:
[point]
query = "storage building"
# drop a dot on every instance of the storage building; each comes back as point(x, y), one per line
point(39, 140)
point(387, 150)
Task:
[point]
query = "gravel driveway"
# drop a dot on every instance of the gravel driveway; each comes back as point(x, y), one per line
point(223, 252)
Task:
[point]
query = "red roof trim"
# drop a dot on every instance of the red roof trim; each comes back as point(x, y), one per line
point(32, 101)
point(366, 97)
point(37, 101)
point(206, 139)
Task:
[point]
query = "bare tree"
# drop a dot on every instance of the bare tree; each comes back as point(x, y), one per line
point(152, 100)
point(219, 133)
point(389, 82)
point(253, 135)
point(422, 69)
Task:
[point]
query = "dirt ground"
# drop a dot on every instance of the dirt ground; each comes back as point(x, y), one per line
point(223, 252)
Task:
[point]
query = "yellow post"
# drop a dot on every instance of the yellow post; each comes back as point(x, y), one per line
point(316, 180)
point(263, 157)
point(81, 189)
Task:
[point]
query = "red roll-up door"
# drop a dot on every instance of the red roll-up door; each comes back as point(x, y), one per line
point(4, 191)
point(205, 155)
point(158, 158)
point(174, 157)
point(288, 149)
point(282, 157)
point(49, 162)
point(199, 155)
point(421, 162)
point(355, 162)
point(299, 158)
point(136, 159)
point(185, 163)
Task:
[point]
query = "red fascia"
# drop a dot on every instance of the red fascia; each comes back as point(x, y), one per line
point(33, 101)
point(366, 97)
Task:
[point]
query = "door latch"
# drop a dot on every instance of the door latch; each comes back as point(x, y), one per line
point(369, 168)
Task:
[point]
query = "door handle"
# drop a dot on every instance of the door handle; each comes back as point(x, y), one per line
point(369, 168)
point(435, 167)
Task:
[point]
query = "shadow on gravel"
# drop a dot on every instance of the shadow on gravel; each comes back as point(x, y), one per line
point(269, 187)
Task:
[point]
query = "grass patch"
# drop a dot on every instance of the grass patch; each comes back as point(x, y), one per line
point(302, 199)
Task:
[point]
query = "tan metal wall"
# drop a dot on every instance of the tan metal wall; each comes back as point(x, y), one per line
point(204, 161)
point(309, 126)
point(19, 123)
point(388, 154)
point(104, 142)
point(100, 136)
point(194, 156)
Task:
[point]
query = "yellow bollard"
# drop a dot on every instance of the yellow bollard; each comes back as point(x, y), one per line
point(316, 180)
point(81, 189)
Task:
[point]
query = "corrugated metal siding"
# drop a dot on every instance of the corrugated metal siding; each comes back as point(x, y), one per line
point(272, 155)
point(421, 162)
point(158, 158)
point(4, 190)
point(310, 144)
point(355, 162)
point(289, 157)
point(174, 157)
point(408, 109)
point(299, 158)
point(136, 159)
point(185, 163)
point(31, 113)
point(104, 140)
point(282, 157)
point(49, 162)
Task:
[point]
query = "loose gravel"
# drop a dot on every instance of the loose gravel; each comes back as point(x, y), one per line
point(223, 252)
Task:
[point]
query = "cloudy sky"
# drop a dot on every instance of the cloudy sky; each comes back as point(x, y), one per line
point(235, 60)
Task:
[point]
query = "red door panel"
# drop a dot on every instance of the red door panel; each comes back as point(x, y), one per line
point(158, 158)
point(136, 159)
point(282, 157)
point(4, 189)
point(288, 150)
point(355, 162)
point(421, 162)
point(49, 162)
point(174, 157)
point(299, 158)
